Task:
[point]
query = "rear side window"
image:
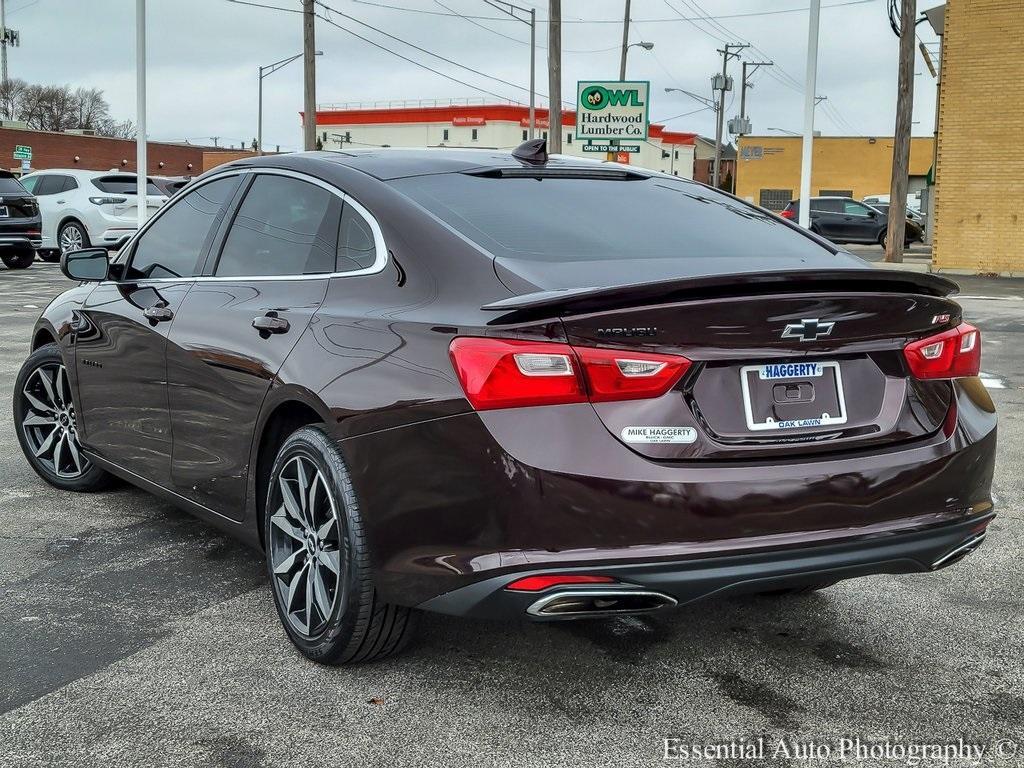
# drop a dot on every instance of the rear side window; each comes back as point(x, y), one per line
point(562, 219)
point(356, 246)
point(11, 186)
point(174, 244)
point(826, 206)
point(284, 226)
point(123, 185)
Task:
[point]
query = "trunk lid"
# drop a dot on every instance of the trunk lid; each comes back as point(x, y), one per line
point(784, 363)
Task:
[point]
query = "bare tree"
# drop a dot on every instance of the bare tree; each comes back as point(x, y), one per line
point(60, 107)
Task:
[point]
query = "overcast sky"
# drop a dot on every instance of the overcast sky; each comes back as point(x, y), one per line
point(203, 57)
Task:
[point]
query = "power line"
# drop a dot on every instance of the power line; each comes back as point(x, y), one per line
point(472, 20)
point(416, 63)
point(421, 49)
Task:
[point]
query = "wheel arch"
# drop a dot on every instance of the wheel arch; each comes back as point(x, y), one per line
point(67, 218)
point(43, 335)
point(283, 413)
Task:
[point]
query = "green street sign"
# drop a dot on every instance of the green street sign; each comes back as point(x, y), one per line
point(612, 110)
point(21, 152)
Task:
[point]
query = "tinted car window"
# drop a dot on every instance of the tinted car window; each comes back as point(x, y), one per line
point(123, 185)
point(852, 207)
point(586, 219)
point(68, 183)
point(283, 227)
point(175, 242)
point(826, 206)
point(49, 185)
point(11, 186)
point(30, 182)
point(356, 247)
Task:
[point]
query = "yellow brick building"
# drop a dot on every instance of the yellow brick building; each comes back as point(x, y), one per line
point(979, 221)
point(768, 172)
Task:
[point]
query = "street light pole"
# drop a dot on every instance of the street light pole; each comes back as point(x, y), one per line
point(810, 85)
point(511, 9)
point(141, 166)
point(270, 69)
point(625, 43)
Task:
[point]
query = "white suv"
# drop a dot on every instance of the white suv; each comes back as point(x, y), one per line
point(87, 208)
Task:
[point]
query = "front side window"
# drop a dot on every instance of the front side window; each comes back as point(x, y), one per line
point(48, 184)
point(30, 183)
point(853, 208)
point(284, 226)
point(176, 242)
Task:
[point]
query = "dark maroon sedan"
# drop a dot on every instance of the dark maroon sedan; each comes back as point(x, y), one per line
point(502, 385)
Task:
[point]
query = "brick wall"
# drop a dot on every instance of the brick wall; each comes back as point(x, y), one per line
point(58, 150)
point(980, 174)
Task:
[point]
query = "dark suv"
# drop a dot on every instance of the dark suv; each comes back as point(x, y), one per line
point(20, 224)
point(845, 220)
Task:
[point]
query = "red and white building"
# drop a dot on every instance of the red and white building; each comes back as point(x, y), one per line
point(488, 126)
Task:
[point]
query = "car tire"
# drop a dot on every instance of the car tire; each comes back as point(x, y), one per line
point(318, 558)
point(72, 236)
point(50, 255)
point(18, 259)
point(44, 419)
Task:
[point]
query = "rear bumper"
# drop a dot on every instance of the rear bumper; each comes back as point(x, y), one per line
point(25, 242)
point(686, 581)
point(479, 499)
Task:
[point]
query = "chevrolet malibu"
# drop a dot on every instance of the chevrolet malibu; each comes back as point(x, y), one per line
point(508, 385)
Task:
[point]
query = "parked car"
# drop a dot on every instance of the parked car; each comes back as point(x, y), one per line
point(845, 220)
point(20, 224)
point(169, 185)
point(912, 213)
point(913, 200)
point(83, 208)
point(505, 385)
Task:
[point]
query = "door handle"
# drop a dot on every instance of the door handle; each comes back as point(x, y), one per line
point(157, 314)
point(60, 202)
point(270, 323)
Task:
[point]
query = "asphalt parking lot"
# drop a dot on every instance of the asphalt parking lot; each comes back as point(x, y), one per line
point(134, 635)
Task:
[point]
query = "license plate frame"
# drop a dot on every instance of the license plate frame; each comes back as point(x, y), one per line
point(824, 421)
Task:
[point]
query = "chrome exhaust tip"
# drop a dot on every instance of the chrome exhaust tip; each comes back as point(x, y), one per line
point(572, 604)
point(959, 553)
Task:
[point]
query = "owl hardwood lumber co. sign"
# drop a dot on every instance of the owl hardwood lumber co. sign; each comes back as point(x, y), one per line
point(612, 110)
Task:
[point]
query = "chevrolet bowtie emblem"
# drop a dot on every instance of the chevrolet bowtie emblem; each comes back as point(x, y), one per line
point(808, 329)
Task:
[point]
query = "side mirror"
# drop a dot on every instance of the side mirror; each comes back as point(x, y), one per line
point(872, 214)
point(88, 264)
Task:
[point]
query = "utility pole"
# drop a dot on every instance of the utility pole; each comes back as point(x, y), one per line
point(141, 163)
point(625, 43)
point(554, 76)
point(745, 82)
point(901, 139)
point(3, 43)
point(731, 50)
point(309, 77)
point(810, 85)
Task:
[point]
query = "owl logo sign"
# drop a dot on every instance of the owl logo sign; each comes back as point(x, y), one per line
point(612, 109)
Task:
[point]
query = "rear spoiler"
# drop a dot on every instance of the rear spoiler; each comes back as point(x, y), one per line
point(597, 299)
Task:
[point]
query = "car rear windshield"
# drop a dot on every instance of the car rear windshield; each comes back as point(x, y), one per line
point(11, 186)
point(561, 219)
point(122, 185)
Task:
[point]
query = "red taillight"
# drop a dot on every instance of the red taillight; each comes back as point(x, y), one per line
point(951, 354)
point(503, 373)
point(788, 214)
point(613, 374)
point(539, 583)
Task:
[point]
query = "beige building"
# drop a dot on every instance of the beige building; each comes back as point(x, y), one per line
point(979, 222)
point(768, 170)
